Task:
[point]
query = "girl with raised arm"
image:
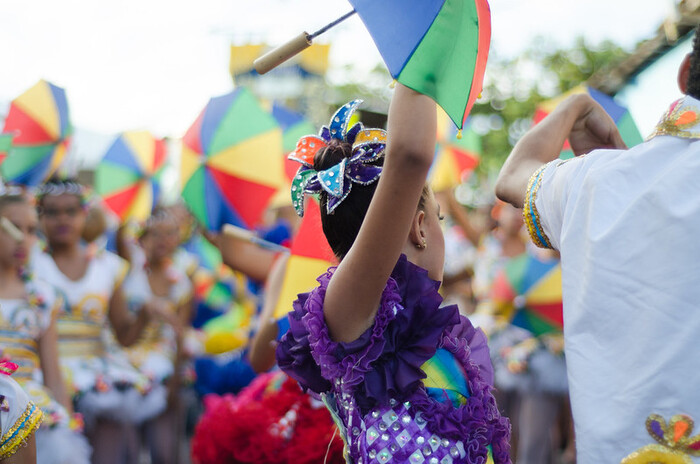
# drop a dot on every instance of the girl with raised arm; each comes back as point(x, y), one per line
point(404, 378)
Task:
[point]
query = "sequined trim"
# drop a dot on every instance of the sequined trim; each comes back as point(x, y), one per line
point(530, 214)
point(675, 443)
point(17, 436)
point(681, 120)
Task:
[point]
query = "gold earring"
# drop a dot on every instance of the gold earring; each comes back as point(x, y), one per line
point(422, 245)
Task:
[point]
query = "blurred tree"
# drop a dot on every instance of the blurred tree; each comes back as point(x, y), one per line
point(514, 87)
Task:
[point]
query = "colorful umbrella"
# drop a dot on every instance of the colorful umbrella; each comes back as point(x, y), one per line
point(211, 290)
point(294, 126)
point(5, 145)
point(456, 158)
point(436, 47)
point(39, 121)
point(128, 176)
point(231, 161)
point(310, 257)
point(528, 291)
point(621, 115)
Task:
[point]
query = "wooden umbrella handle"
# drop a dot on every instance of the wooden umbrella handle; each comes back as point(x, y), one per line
point(279, 55)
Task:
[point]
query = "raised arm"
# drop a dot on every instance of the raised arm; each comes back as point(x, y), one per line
point(580, 119)
point(354, 293)
point(127, 328)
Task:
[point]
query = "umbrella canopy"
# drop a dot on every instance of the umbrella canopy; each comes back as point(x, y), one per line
point(5, 145)
point(231, 161)
point(456, 158)
point(528, 291)
point(294, 126)
point(213, 281)
point(128, 176)
point(310, 256)
point(39, 121)
point(620, 114)
point(436, 47)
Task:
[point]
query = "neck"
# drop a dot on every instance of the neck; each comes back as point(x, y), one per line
point(66, 250)
point(157, 264)
point(8, 272)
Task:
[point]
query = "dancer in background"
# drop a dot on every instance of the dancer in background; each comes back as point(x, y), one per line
point(159, 351)
point(29, 308)
point(113, 396)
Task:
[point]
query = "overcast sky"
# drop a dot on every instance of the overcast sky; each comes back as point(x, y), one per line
point(153, 64)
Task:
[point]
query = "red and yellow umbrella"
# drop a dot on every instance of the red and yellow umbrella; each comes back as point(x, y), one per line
point(456, 158)
point(231, 162)
point(128, 176)
point(39, 121)
point(310, 257)
point(528, 291)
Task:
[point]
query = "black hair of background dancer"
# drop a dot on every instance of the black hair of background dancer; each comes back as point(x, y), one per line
point(694, 74)
point(342, 226)
point(57, 181)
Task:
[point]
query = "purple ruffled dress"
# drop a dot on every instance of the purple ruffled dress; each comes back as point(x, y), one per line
point(377, 389)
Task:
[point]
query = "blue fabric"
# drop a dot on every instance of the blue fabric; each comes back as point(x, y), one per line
point(218, 376)
point(59, 96)
point(397, 26)
point(285, 117)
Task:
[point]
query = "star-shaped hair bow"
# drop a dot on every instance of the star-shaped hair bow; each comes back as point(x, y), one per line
point(368, 145)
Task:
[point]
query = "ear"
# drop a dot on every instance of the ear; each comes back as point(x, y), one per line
point(684, 74)
point(417, 234)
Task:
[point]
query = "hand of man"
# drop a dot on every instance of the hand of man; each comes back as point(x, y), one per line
point(593, 128)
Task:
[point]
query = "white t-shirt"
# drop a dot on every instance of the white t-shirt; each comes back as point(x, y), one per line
point(627, 224)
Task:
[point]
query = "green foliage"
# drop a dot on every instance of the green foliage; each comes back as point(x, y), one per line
point(514, 88)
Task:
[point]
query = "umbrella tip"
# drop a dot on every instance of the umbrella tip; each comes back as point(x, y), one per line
point(459, 134)
point(392, 84)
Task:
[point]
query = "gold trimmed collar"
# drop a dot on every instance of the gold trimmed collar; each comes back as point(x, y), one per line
point(681, 120)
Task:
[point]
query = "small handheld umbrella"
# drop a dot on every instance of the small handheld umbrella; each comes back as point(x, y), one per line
point(528, 291)
point(39, 121)
point(456, 158)
point(621, 115)
point(127, 177)
point(436, 47)
point(231, 161)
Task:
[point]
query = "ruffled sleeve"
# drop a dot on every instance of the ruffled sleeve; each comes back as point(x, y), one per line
point(385, 361)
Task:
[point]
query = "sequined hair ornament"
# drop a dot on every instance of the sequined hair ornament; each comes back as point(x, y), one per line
point(368, 145)
point(55, 188)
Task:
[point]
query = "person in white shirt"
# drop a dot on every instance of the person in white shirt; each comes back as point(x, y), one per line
point(627, 224)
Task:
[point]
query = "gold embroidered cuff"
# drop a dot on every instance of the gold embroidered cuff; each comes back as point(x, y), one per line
point(530, 214)
point(17, 436)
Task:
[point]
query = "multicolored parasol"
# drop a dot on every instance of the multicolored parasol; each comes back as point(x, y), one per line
point(231, 161)
point(128, 176)
point(456, 158)
point(310, 257)
point(5, 145)
point(294, 126)
point(621, 115)
point(528, 291)
point(214, 283)
point(436, 47)
point(39, 121)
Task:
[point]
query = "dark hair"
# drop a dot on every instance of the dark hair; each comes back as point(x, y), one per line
point(342, 226)
point(694, 74)
point(56, 186)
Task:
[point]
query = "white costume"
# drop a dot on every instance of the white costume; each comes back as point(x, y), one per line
point(154, 354)
point(22, 324)
point(98, 374)
point(627, 225)
point(19, 417)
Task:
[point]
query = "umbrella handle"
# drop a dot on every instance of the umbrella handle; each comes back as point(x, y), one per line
point(279, 55)
point(250, 237)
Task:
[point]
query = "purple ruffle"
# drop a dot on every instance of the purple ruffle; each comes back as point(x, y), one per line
point(385, 361)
